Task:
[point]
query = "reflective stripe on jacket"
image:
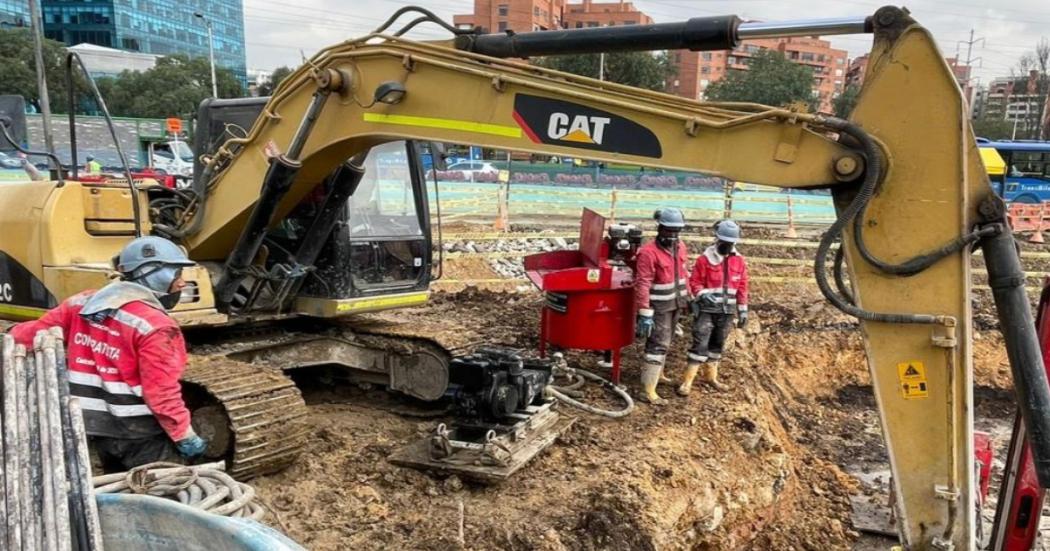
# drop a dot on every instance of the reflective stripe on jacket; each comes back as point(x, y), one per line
point(720, 283)
point(124, 366)
point(654, 277)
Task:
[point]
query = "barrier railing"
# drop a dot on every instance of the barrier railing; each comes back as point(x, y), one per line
point(500, 203)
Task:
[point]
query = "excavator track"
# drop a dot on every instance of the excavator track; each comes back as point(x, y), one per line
point(264, 411)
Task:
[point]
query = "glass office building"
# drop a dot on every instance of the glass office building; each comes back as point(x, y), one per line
point(161, 27)
point(14, 13)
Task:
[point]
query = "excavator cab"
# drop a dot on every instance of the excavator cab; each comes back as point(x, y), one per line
point(381, 244)
point(378, 252)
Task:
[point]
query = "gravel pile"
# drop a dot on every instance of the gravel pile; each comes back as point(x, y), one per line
point(511, 266)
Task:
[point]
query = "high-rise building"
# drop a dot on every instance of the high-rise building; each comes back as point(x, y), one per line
point(542, 15)
point(698, 70)
point(1023, 101)
point(14, 13)
point(158, 27)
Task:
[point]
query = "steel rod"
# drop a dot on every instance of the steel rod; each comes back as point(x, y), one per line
point(12, 526)
point(47, 479)
point(56, 469)
point(94, 528)
point(75, 501)
point(803, 27)
point(30, 514)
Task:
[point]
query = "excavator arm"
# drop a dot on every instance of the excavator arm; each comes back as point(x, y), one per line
point(912, 196)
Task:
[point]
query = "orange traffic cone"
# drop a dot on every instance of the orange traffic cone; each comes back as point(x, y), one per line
point(1040, 213)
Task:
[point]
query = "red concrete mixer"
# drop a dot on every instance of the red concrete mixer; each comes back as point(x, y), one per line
point(589, 292)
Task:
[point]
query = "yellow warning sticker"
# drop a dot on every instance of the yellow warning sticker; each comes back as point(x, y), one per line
point(912, 377)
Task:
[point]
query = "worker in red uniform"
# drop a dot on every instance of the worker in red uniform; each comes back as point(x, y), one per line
point(125, 357)
point(718, 285)
point(660, 294)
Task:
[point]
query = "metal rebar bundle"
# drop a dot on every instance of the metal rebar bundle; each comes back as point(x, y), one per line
point(48, 501)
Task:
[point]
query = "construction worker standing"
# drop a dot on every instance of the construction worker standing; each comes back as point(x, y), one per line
point(125, 358)
point(718, 285)
point(93, 166)
point(660, 293)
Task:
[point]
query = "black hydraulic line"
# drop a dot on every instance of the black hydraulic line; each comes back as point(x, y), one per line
point(872, 175)
point(1006, 278)
point(344, 184)
point(697, 34)
point(278, 180)
point(427, 16)
point(918, 263)
point(135, 208)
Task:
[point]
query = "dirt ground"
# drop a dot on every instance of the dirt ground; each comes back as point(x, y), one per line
point(770, 464)
point(742, 470)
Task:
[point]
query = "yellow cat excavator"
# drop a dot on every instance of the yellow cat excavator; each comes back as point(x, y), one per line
point(310, 206)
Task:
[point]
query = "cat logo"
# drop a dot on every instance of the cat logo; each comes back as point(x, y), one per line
point(568, 124)
point(580, 128)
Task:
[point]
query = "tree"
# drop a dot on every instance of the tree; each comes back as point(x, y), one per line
point(771, 80)
point(993, 128)
point(639, 69)
point(18, 67)
point(278, 75)
point(846, 101)
point(174, 87)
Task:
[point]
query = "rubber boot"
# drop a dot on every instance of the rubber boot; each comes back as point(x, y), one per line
point(650, 378)
point(711, 377)
point(687, 380)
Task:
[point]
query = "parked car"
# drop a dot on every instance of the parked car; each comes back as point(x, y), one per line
point(473, 168)
point(7, 161)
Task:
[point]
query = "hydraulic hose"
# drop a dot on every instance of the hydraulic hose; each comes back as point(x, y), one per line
point(840, 279)
point(871, 179)
point(204, 487)
point(561, 393)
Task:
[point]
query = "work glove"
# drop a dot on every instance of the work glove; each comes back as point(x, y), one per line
point(694, 307)
point(741, 318)
point(192, 446)
point(706, 300)
point(643, 326)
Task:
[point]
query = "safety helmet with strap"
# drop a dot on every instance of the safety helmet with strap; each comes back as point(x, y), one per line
point(155, 263)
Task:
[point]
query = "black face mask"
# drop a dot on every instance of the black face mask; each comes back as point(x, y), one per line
point(666, 239)
point(724, 247)
point(169, 300)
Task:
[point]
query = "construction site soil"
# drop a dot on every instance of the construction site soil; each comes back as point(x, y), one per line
point(770, 464)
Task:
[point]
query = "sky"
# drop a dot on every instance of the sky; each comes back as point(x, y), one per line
point(282, 32)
